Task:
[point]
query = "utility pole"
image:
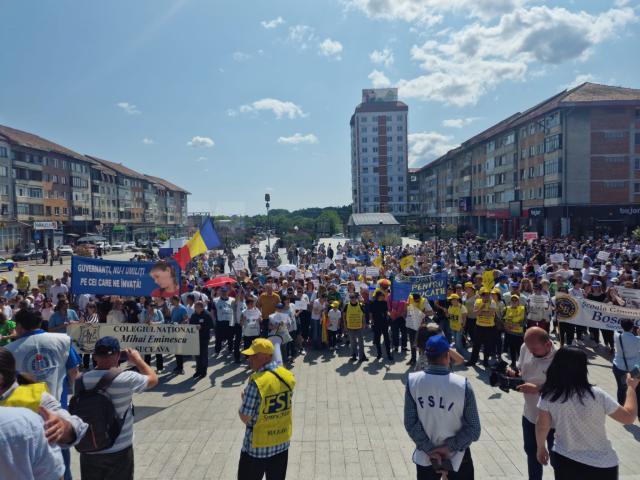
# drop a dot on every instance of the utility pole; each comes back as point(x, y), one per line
point(267, 199)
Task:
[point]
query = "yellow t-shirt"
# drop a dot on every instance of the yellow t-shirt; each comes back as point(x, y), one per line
point(455, 317)
point(486, 316)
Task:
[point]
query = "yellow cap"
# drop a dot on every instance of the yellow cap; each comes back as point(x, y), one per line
point(335, 304)
point(20, 270)
point(515, 296)
point(496, 290)
point(468, 285)
point(454, 296)
point(259, 345)
point(485, 290)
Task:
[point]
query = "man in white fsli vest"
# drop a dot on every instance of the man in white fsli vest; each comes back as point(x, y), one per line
point(441, 417)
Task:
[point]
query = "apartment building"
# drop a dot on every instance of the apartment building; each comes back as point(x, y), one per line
point(570, 164)
point(379, 153)
point(50, 194)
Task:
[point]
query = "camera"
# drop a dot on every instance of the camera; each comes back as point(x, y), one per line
point(500, 379)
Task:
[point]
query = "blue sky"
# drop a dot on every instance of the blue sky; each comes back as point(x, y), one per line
point(231, 99)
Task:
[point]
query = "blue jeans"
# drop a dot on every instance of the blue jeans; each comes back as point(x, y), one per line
point(531, 447)
point(316, 332)
point(446, 328)
point(459, 345)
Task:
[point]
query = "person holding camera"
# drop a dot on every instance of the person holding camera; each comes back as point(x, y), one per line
point(627, 357)
point(441, 417)
point(536, 355)
point(578, 410)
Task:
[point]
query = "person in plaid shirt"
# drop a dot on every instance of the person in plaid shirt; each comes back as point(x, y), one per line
point(266, 411)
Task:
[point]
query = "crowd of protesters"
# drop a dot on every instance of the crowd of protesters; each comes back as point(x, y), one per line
point(326, 299)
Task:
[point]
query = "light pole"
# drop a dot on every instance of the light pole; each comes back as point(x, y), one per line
point(267, 199)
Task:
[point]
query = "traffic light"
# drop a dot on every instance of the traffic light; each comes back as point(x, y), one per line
point(267, 197)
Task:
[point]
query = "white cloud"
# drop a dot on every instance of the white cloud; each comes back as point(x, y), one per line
point(579, 80)
point(241, 56)
point(302, 36)
point(148, 141)
point(458, 122)
point(269, 24)
point(382, 57)
point(379, 79)
point(473, 60)
point(298, 138)
point(197, 141)
point(129, 108)
point(278, 107)
point(430, 12)
point(330, 48)
point(427, 146)
point(201, 159)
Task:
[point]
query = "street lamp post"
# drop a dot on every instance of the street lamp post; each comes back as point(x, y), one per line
point(267, 199)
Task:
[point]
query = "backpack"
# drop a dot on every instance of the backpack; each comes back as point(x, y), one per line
point(94, 406)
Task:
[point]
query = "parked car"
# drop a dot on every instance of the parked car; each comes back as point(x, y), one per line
point(105, 246)
point(131, 246)
point(118, 246)
point(27, 255)
point(65, 250)
point(6, 264)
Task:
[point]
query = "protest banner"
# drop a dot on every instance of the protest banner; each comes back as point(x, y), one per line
point(433, 287)
point(587, 313)
point(262, 263)
point(301, 305)
point(174, 339)
point(275, 274)
point(308, 274)
point(631, 296)
point(603, 256)
point(529, 236)
point(339, 256)
point(351, 261)
point(575, 264)
point(557, 257)
point(110, 277)
point(377, 261)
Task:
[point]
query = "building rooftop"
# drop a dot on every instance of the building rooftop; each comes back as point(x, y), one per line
point(118, 167)
point(166, 184)
point(363, 219)
point(586, 94)
point(29, 140)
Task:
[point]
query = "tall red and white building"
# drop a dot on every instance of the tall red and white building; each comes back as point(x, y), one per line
point(379, 153)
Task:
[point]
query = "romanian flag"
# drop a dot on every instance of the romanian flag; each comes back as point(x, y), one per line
point(205, 239)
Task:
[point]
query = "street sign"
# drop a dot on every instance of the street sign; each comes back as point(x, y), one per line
point(45, 225)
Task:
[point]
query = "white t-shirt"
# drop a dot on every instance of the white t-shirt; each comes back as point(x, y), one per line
point(580, 428)
point(334, 319)
point(533, 370)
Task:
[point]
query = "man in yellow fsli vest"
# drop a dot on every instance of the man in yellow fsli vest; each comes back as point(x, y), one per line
point(267, 411)
point(354, 317)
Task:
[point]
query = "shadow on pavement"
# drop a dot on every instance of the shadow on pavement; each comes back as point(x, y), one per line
point(348, 367)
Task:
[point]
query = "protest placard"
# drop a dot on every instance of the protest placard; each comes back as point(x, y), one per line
point(146, 338)
point(372, 271)
point(262, 263)
point(308, 274)
point(557, 257)
point(529, 236)
point(301, 305)
point(631, 296)
point(575, 264)
point(339, 256)
point(109, 277)
point(603, 256)
point(351, 261)
point(238, 264)
point(275, 273)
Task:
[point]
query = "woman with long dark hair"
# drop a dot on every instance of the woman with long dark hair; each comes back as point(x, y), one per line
point(578, 410)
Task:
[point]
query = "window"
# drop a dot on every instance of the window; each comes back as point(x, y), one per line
point(636, 163)
point(4, 171)
point(523, 153)
point(375, 149)
point(552, 143)
point(65, 211)
point(363, 119)
point(540, 149)
point(613, 135)
point(532, 128)
point(510, 138)
point(553, 190)
point(636, 188)
point(532, 172)
point(399, 128)
point(364, 140)
point(399, 118)
point(553, 166)
point(491, 146)
point(389, 139)
point(374, 139)
point(399, 138)
point(532, 150)
point(552, 120)
point(365, 169)
point(363, 129)
point(637, 138)
point(3, 152)
point(374, 129)
point(500, 179)
point(364, 149)
point(35, 193)
point(614, 184)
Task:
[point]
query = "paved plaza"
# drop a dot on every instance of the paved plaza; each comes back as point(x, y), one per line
point(347, 423)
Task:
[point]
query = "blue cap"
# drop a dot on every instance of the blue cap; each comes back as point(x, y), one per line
point(280, 306)
point(502, 277)
point(596, 284)
point(514, 285)
point(436, 346)
point(224, 289)
point(107, 346)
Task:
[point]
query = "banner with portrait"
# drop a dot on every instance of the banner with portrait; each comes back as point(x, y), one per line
point(110, 277)
point(433, 287)
point(587, 313)
point(148, 339)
